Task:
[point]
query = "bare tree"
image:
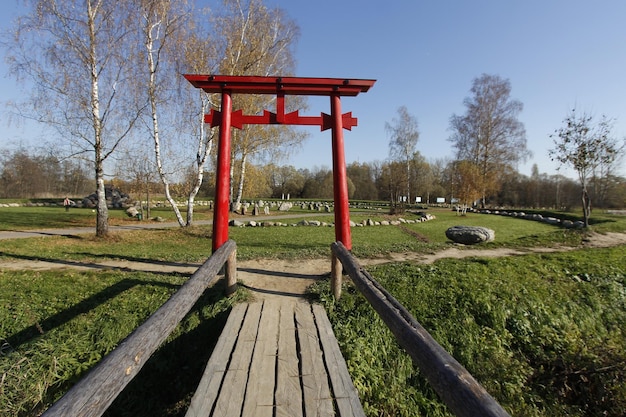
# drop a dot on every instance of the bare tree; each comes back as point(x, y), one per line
point(74, 52)
point(162, 22)
point(490, 134)
point(586, 147)
point(403, 136)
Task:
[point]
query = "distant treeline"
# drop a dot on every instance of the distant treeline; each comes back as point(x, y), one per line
point(29, 175)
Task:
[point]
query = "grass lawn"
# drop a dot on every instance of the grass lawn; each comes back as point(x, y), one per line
point(29, 218)
point(543, 333)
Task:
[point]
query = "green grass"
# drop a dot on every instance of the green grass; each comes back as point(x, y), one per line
point(545, 334)
point(29, 218)
point(55, 325)
point(194, 244)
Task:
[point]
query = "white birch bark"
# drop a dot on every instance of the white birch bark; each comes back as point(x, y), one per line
point(152, 95)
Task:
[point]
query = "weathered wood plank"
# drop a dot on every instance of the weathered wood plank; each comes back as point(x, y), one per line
point(288, 396)
point(208, 390)
point(93, 394)
point(231, 398)
point(259, 400)
point(318, 400)
point(345, 393)
point(455, 385)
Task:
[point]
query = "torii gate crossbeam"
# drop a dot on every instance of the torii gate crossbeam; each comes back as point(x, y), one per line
point(334, 88)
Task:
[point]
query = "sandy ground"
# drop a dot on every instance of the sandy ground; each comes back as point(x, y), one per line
point(269, 277)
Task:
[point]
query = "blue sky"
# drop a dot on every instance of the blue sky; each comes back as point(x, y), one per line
point(424, 55)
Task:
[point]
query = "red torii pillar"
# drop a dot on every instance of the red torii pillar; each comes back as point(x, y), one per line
point(280, 86)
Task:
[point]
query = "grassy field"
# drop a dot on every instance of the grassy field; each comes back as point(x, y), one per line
point(543, 332)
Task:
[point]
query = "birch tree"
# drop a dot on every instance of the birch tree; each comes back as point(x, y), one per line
point(403, 136)
point(175, 43)
point(159, 25)
point(75, 54)
point(489, 134)
point(200, 57)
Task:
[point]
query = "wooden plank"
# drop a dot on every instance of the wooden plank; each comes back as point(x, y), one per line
point(259, 400)
point(288, 395)
point(94, 393)
point(346, 396)
point(318, 400)
point(455, 385)
point(231, 398)
point(208, 389)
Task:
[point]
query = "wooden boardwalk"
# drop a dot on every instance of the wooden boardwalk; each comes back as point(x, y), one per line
point(276, 357)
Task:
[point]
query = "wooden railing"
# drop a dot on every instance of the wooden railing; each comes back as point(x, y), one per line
point(457, 388)
point(93, 394)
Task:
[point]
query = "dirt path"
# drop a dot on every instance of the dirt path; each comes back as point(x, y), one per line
point(270, 277)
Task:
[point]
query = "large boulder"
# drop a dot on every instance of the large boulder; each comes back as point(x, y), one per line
point(470, 235)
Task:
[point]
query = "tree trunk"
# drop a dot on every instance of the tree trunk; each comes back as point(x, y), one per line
point(242, 175)
point(232, 174)
point(102, 215)
point(408, 182)
point(102, 211)
point(205, 144)
point(586, 207)
point(152, 95)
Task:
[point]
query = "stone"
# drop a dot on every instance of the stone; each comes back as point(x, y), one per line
point(132, 212)
point(236, 223)
point(285, 206)
point(470, 235)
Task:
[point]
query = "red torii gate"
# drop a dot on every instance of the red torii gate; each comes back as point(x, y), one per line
point(280, 86)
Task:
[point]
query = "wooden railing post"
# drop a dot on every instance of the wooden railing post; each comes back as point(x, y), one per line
point(231, 274)
point(336, 270)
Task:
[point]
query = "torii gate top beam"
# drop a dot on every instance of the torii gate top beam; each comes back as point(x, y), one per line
point(280, 85)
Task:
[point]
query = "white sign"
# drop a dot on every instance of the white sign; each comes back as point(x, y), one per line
point(441, 199)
